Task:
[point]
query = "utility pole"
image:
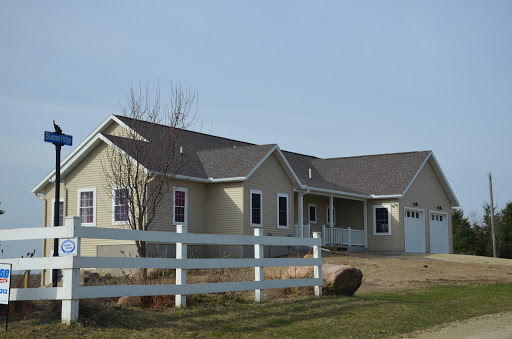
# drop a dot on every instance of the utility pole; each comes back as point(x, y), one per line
point(492, 218)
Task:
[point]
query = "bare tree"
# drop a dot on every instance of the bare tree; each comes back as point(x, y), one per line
point(141, 164)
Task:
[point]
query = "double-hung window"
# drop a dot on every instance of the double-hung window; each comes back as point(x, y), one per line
point(282, 210)
point(87, 206)
point(256, 208)
point(180, 206)
point(381, 220)
point(312, 213)
point(120, 205)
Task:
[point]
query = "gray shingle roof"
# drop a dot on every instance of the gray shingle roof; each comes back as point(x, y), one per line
point(207, 156)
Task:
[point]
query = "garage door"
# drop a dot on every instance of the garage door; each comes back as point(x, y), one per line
point(414, 231)
point(439, 233)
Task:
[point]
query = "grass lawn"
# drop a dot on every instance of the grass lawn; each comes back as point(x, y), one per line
point(363, 315)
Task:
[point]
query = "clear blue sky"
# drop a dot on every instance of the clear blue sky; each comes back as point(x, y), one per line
point(326, 78)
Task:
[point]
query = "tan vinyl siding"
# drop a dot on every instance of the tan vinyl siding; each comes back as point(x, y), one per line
point(384, 242)
point(321, 203)
point(116, 129)
point(270, 178)
point(225, 208)
point(87, 174)
point(427, 191)
point(349, 213)
point(197, 201)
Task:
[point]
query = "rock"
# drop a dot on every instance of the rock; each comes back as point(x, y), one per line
point(89, 278)
point(130, 301)
point(341, 279)
point(338, 279)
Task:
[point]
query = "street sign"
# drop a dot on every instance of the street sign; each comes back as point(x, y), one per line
point(58, 138)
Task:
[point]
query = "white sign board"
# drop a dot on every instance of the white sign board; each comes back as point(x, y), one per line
point(68, 247)
point(5, 283)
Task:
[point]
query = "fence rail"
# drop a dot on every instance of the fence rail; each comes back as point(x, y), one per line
point(70, 293)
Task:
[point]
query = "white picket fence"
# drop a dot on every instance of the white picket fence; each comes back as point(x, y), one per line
point(71, 291)
point(339, 236)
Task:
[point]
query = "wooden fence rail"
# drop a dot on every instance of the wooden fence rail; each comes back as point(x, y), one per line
point(71, 291)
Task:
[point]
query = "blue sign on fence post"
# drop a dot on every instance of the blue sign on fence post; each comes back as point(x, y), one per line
point(58, 138)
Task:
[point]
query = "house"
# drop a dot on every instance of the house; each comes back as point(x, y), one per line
point(397, 202)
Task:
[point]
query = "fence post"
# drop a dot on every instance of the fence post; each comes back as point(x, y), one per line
point(71, 278)
point(325, 236)
point(317, 253)
point(349, 236)
point(259, 272)
point(181, 273)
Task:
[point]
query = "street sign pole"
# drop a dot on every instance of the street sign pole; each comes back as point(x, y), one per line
point(56, 209)
point(58, 139)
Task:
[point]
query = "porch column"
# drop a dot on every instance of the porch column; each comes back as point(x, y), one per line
point(331, 211)
point(365, 218)
point(301, 214)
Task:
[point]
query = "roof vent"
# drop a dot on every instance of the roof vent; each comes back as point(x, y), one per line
point(181, 150)
point(310, 177)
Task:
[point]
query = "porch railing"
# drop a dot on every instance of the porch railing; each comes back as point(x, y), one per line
point(339, 236)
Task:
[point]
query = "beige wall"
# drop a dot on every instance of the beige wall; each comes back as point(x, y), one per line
point(428, 192)
point(271, 179)
point(225, 208)
point(385, 242)
point(196, 208)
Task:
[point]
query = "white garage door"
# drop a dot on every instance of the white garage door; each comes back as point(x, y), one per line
point(414, 231)
point(439, 233)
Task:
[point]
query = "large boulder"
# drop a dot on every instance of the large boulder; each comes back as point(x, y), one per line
point(338, 279)
point(130, 301)
point(341, 279)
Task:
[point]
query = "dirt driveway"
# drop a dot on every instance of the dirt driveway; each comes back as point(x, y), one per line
point(412, 271)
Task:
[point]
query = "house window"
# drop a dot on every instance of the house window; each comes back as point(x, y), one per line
point(87, 206)
point(61, 212)
point(180, 206)
point(382, 220)
point(282, 210)
point(256, 210)
point(119, 205)
point(312, 213)
point(329, 215)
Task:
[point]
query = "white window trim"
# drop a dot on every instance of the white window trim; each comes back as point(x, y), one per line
point(309, 214)
point(94, 200)
point(261, 207)
point(174, 222)
point(53, 210)
point(114, 222)
point(283, 195)
point(333, 215)
point(388, 207)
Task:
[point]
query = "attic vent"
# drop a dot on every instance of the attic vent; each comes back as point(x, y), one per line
point(310, 177)
point(181, 150)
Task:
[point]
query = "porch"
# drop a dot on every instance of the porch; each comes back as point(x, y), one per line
point(341, 220)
